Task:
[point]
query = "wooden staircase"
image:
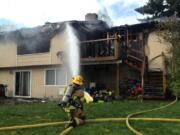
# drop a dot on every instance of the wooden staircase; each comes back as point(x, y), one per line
point(153, 82)
point(153, 85)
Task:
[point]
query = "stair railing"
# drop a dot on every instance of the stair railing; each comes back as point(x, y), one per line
point(143, 69)
point(164, 73)
point(137, 56)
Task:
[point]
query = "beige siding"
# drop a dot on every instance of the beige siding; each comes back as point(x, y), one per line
point(155, 47)
point(34, 59)
point(53, 91)
point(7, 54)
point(38, 87)
point(57, 44)
point(6, 77)
point(44, 58)
point(9, 57)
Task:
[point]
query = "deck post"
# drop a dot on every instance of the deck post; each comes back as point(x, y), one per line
point(117, 81)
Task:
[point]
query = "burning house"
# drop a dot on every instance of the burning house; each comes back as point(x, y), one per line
point(32, 63)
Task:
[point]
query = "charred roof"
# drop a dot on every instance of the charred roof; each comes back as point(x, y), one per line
point(37, 39)
point(134, 28)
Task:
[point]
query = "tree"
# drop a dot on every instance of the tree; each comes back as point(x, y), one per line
point(171, 34)
point(169, 10)
point(160, 8)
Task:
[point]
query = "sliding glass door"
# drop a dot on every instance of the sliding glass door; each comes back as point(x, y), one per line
point(22, 83)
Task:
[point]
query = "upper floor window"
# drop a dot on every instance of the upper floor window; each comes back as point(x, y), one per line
point(30, 46)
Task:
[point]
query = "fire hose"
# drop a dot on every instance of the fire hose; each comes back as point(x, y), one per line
point(99, 120)
point(145, 111)
point(89, 121)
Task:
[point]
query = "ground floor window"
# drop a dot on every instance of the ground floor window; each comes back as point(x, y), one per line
point(56, 76)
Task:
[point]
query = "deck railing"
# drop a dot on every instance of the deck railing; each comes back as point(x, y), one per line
point(101, 49)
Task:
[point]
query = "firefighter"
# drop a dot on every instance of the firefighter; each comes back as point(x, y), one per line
point(72, 102)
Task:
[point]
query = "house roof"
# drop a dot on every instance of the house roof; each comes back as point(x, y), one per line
point(37, 39)
point(140, 27)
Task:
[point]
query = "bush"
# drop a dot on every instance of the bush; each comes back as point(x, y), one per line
point(174, 85)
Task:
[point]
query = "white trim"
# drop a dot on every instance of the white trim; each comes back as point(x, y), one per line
point(55, 69)
point(30, 87)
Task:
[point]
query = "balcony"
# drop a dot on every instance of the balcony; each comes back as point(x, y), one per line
point(99, 50)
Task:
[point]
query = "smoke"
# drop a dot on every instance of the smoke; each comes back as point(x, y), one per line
point(104, 16)
point(72, 50)
point(9, 25)
point(104, 12)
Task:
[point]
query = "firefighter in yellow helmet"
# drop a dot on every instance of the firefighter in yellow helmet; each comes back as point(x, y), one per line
point(72, 101)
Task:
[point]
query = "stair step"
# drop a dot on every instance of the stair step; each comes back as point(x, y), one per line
point(154, 93)
point(153, 96)
point(154, 80)
point(152, 87)
point(153, 90)
point(154, 76)
point(153, 84)
point(155, 72)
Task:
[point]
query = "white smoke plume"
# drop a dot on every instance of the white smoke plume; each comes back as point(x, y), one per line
point(104, 16)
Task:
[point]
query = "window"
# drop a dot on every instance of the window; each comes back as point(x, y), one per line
point(50, 77)
point(56, 76)
point(60, 77)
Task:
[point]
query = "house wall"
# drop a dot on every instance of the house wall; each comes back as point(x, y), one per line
point(38, 87)
point(34, 59)
point(7, 77)
point(155, 46)
point(9, 57)
point(57, 44)
point(101, 74)
point(36, 63)
point(7, 54)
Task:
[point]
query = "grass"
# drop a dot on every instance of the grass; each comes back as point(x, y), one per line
point(48, 112)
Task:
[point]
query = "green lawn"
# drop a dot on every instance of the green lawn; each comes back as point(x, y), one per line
point(48, 112)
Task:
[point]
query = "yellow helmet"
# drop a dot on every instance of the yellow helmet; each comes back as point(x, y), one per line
point(77, 80)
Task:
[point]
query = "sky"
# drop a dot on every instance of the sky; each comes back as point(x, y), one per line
point(32, 13)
